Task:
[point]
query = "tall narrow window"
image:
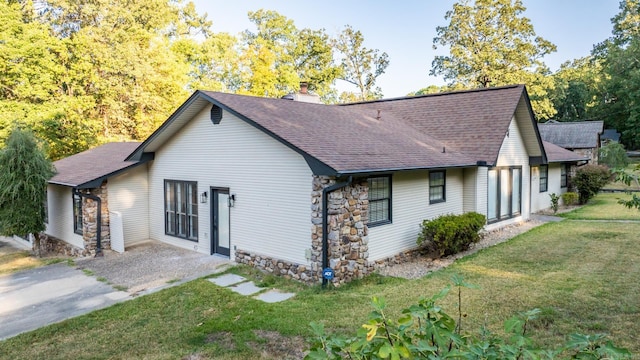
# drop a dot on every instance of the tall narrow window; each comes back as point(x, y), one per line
point(544, 177)
point(181, 209)
point(437, 182)
point(77, 213)
point(45, 206)
point(563, 175)
point(379, 200)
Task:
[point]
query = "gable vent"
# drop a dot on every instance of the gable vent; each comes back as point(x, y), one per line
point(216, 114)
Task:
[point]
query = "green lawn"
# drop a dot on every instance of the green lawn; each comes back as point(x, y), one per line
point(605, 207)
point(583, 275)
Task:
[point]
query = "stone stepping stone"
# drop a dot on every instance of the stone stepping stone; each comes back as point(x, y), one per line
point(247, 288)
point(227, 279)
point(273, 296)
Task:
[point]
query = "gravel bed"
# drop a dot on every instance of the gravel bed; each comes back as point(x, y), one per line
point(423, 265)
point(150, 265)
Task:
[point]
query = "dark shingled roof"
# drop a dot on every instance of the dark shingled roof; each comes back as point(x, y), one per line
point(347, 139)
point(557, 154)
point(473, 122)
point(89, 168)
point(572, 135)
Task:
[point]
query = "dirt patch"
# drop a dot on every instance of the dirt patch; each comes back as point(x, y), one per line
point(223, 339)
point(277, 346)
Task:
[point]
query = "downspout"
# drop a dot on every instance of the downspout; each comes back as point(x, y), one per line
point(325, 227)
point(98, 220)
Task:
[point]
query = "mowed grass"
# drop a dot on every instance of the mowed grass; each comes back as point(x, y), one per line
point(582, 275)
point(604, 206)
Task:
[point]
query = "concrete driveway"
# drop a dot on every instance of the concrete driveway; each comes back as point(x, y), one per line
point(34, 298)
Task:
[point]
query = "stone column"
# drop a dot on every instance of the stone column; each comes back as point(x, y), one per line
point(347, 229)
point(90, 219)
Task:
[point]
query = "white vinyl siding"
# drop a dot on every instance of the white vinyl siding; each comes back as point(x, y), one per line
point(271, 182)
point(514, 153)
point(542, 200)
point(60, 223)
point(410, 205)
point(128, 195)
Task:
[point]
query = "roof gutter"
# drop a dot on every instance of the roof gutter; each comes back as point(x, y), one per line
point(325, 228)
point(98, 220)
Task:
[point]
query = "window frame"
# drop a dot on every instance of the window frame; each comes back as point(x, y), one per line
point(388, 200)
point(76, 202)
point(563, 176)
point(498, 193)
point(443, 186)
point(544, 188)
point(182, 223)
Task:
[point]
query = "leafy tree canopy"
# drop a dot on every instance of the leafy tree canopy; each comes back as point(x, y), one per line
point(492, 44)
point(24, 172)
point(360, 66)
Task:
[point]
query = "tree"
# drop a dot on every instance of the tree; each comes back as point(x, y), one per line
point(278, 56)
point(578, 92)
point(360, 66)
point(492, 44)
point(24, 172)
point(619, 54)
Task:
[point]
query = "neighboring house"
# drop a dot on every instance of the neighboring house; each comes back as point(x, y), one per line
point(609, 135)
point(293, 187)
point(581, 137)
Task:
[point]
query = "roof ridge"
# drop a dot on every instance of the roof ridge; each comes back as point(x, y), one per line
point(452, 92)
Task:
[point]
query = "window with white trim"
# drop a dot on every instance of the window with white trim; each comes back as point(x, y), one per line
point(379, 200)
point(181, 209)
point(563, 175)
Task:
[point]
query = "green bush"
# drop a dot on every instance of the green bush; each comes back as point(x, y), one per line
point(613, 155)
point(570, 198)
point(555, 202)
point(589, 180)
point(451, 234)
point(425, 331)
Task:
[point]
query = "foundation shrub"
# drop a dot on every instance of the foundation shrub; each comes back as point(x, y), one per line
point(450, 234)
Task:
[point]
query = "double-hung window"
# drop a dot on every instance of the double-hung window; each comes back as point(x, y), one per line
point(181, 209)
point(437, 181)
point(77, 213)
point(379, 200)
point(544, 177)
point(563, 175)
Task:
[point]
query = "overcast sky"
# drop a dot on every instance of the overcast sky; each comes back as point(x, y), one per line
point(405, 29)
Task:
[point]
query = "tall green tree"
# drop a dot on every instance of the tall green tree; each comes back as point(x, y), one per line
point(360, 66)
point(578, 93)
point(619, 55)
point(278, 56)
point(491, 43)
point(24, 172)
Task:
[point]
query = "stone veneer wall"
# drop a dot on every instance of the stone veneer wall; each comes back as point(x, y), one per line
point(50, 244)
point(348, 210)
point(90, 219)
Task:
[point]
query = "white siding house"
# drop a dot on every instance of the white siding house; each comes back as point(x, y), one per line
point(271, 183)
point(293, 188)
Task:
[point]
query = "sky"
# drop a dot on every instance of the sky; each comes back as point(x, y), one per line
point(405, 29)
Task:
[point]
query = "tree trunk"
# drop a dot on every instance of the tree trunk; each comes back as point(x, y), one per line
point(37, 245)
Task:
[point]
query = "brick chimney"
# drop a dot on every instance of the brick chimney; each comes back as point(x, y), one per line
point(304, 87)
